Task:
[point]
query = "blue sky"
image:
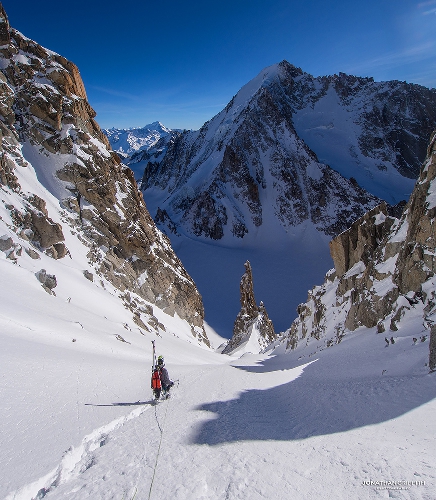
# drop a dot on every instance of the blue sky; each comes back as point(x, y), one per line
point(180, 62)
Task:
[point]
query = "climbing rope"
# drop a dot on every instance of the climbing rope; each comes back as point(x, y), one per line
point(161, 429)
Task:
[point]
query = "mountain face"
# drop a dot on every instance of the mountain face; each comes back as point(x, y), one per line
point(376, 132)
point(60, 179)
point(254, 178)
point(384, 275)
point(246, 162)
point(372, 133)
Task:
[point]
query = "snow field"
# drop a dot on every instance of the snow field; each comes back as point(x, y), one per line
point(315, 423)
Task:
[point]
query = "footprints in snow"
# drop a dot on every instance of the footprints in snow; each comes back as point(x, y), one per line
point(76, 460)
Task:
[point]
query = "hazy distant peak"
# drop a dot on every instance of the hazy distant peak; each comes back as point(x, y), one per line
point(127, 141)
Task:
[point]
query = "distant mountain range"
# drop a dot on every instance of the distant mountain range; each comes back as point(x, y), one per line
point(289, 163)
point(128, 141)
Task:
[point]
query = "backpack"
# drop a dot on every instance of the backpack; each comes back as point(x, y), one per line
point(155, 379)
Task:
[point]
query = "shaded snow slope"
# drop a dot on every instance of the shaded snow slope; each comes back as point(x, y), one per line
point(283, 269)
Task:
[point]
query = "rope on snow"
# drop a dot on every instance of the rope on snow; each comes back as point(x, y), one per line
point(161, 429)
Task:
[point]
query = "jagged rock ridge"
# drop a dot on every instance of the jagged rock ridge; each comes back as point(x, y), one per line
point(46, 123)
point(384, 272)
point(252, 327)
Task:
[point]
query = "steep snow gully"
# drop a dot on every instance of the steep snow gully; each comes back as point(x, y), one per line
point(270, 426)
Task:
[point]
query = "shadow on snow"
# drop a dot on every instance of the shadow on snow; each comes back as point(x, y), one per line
point(314, 404)
point(137, 403)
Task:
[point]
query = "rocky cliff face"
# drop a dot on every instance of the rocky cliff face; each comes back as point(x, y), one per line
point(253, 329)
point(384, 271)
point(47, 124)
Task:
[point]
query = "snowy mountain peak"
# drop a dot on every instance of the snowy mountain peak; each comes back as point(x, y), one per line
point(128, 141)
point(290, 162)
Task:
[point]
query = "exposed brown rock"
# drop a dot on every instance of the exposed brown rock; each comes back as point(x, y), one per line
point(4, 27)
point(32, 253)
point(432, 347)
point(105, 207)
point(361, 239)
point(6, 243)
point(47, 232)
point(48, 281)
point(416, 261)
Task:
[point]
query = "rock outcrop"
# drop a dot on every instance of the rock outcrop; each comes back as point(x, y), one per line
point(48, 281)
point(47, 123)
point(432, 356)
point(385, 271)
point(417, 256)
point(359, 242)
point(253, 327)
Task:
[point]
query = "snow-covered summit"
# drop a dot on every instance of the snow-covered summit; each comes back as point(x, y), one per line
point(128, 141)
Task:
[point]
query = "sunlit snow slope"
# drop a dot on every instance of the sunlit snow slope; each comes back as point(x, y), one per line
point(77, 418)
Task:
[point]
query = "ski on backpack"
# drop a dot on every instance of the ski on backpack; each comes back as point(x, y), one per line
point(156, 384)
point(160, 381)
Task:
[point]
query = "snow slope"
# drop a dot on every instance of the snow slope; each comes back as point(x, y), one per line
point(77, 421)
point(284, 266)
point(314, 423)
point(334, 130)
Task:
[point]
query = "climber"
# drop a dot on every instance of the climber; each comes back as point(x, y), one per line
point(164, 377)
